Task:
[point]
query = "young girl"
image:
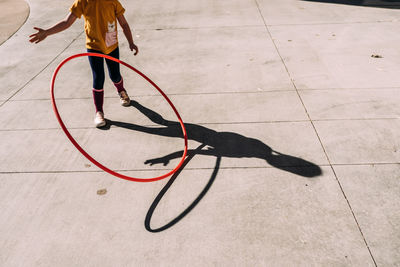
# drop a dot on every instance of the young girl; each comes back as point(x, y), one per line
point(101, 37)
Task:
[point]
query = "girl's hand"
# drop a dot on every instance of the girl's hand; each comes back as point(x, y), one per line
point(164, 161)
point(134, 47)
point(39, 36)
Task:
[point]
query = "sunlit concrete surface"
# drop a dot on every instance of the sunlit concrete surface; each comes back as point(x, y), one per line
point(13, 14)
point(292, 114)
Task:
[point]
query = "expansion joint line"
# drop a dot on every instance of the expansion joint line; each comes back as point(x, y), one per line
point(45, 67)
point(315, 130)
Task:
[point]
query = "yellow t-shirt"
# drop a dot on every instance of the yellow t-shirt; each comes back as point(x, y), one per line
point(100, 22)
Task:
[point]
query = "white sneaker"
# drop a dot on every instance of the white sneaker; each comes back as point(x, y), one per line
point(99, 120)
point(124, 99)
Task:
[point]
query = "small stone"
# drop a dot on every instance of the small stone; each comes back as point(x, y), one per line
point(102, 192)
point(376, 56)
point(88, 165)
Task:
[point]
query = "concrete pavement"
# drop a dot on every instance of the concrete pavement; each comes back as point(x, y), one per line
point(294, 137)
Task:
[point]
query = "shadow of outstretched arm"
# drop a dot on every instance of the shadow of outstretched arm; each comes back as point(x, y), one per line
point(293, 164)
point(176, 155)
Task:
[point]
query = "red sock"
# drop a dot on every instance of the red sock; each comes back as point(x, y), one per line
point(98, 97)
point(120, 85)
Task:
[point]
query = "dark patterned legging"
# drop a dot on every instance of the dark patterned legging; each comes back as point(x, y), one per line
point(97, 65)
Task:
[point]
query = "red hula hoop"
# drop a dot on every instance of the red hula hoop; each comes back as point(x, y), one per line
point(101, 166)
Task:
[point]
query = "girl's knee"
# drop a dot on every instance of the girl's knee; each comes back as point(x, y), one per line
point(115, 78)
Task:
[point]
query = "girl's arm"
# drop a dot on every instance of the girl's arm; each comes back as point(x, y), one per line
point(128, 34)
point(62, 25)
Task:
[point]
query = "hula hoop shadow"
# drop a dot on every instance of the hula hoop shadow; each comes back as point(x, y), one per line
point(160, 195)
point(98, 164)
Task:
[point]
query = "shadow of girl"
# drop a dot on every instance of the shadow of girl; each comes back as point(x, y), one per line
point(217, 144)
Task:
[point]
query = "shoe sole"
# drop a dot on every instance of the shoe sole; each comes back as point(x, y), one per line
point(99, 125)
point(126, 104)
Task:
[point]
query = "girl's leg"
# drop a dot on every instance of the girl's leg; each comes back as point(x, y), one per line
point(114, 71)
point(97, 66)
point(115, 75)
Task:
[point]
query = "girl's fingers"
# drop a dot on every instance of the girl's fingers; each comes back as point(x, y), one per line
point(37, 37)
point(34, 39)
